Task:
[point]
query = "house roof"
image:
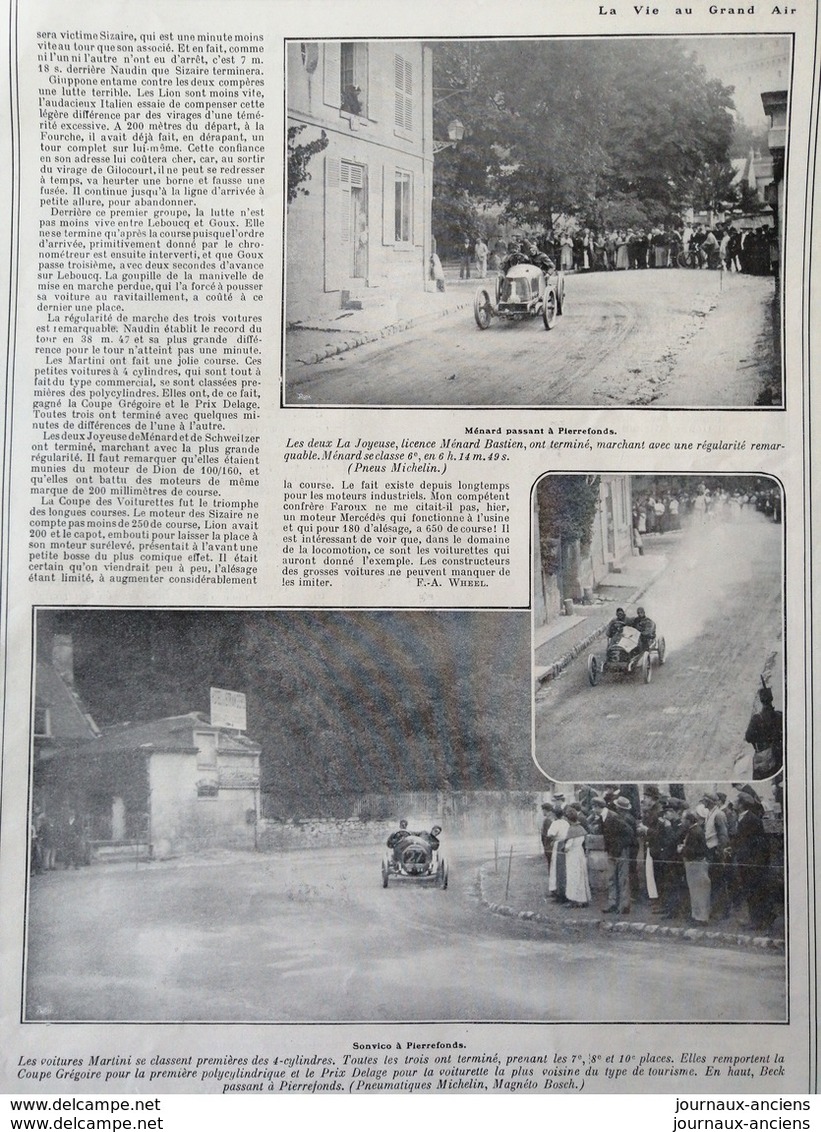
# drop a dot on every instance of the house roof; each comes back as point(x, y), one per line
point(172, 735)
point(68, 716)
point(774, 100)
point(742, 167)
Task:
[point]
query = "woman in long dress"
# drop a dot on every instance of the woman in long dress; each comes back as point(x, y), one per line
point(622, 255)
point(578, 883)
point(659, 242)
point(567, 252)
point(556, 879)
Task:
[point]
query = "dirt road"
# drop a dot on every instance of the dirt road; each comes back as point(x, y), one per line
point(671, 338)
point(313, 936)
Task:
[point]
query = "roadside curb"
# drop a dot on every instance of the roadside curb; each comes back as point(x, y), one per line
point(551, 671)
point(367, 336)
point(638, 929)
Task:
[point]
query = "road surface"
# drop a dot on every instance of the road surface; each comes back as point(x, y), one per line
point(313, 936)
point(719, 607)
point(661, 338)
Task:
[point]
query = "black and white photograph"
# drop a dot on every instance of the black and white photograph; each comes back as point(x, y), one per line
point(536, 222)
point(331, 816)
point(659, 626)
point(212, 793)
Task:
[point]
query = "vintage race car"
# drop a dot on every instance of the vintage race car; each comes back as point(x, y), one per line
point(413, 858)
point(523, 292)
point(625, 656)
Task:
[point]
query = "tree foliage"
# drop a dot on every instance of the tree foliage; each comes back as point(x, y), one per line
point(714, 188)
point(600, 129)
point(748, 201)
point(455, 215)
point(464, 173)
point(342, 704)
point(748, 138)
point(567, 507)
point(299, 155)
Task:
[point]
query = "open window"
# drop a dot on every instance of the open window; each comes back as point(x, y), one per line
point(353, 78)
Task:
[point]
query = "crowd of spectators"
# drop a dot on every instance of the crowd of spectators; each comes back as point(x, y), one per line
point(659, 512)
point(697, 860)
point(752, 250)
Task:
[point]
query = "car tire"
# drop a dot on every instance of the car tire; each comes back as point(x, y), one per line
point(482, 308)
point(549, 308)
point(593, 670)
point(662, 647)
point(385, 874)
point(646, 668)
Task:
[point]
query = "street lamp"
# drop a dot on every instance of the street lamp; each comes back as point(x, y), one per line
point(456, 131)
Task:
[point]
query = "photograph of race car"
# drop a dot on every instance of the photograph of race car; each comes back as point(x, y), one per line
point(406, 201)
point(674, 581)
point(414, 856)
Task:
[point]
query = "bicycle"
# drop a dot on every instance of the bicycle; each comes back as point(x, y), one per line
point(689, 259)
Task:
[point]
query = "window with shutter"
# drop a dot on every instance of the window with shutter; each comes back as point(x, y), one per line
point(403, 94)
point(402, 207)
point(345, 202)
point(334, 257)
point(330, 74)
point(351, 176)
point(353, 78)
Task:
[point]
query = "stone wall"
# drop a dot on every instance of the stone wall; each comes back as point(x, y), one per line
point(318, 833)
point(481, 814)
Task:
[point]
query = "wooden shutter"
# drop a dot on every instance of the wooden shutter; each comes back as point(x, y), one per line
point(352, 176)
point(331, 95)
point(403, 93)
point(388, 204)
point(345, 203)
point(418, 208)
point(334, 251)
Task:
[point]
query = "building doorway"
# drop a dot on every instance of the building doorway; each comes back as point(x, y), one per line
point(356, 226)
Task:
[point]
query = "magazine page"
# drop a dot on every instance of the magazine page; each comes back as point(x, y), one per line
point(406, 552)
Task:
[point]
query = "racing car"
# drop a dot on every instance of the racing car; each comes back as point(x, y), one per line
point(524, 291)
point(415, 858)
point(625, 656)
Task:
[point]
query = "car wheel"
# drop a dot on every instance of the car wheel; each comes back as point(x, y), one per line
point(549, 308)
point(443, 875)
point(560, 295)
point(646, 668)
point(384, 874)
point(593, 670)
point(482, 308)
point(662, 646)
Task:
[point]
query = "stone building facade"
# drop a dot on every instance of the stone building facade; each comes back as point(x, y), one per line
point(360, 235)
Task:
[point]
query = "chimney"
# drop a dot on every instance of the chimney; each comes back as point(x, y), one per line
point(62, 657)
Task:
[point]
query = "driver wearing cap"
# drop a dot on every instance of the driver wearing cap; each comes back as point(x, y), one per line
point(397, 839)
point(617, 624)
point(432, 838)
point(540, 259)
point(646, 628)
